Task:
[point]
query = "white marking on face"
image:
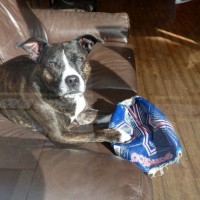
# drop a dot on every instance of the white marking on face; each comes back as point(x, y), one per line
point(68, 71)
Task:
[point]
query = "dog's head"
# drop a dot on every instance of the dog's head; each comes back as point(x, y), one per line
point(62, 67)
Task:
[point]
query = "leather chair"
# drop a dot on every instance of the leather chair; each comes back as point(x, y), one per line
point(30, 166)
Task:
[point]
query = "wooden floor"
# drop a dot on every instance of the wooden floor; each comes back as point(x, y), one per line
point(166, 42)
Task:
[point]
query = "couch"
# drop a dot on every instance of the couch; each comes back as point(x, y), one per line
point(30, 166)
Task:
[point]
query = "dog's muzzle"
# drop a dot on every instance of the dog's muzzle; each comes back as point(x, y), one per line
point(73, 82)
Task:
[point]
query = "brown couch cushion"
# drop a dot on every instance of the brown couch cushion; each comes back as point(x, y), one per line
point(31, 168)
point(112, 67)
point(113, 77)
point(71, 174)
point(111, 27)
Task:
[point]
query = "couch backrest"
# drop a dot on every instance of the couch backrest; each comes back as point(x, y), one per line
point(18, 23)
point(62, 25)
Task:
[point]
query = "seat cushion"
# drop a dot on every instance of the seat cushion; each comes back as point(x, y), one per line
point(32, 168)
point(70, 174)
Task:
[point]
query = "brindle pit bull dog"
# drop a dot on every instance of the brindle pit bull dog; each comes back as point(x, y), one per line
point(44, 91)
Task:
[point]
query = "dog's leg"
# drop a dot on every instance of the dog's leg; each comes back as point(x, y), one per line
point(93, 116)
point(108, 135)
point(52, 129)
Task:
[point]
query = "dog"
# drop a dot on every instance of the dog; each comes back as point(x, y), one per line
point(44, 90)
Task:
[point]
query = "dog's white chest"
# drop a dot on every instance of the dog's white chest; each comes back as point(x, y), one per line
point(80, 105)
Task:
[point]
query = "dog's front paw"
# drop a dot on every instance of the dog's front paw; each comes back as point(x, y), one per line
point(113, 135)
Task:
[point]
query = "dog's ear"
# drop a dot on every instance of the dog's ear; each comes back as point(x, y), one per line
point(33, 47)
point(88, 41)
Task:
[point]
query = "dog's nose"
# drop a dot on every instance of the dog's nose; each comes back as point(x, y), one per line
point(72, 81)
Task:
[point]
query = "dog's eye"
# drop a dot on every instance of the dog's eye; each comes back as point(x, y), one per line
point(50, 64)
point(80, 59)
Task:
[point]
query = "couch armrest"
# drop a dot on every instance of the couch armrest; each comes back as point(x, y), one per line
point(63, 25)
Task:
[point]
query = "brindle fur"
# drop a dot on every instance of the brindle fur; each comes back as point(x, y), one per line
point(26, 101)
